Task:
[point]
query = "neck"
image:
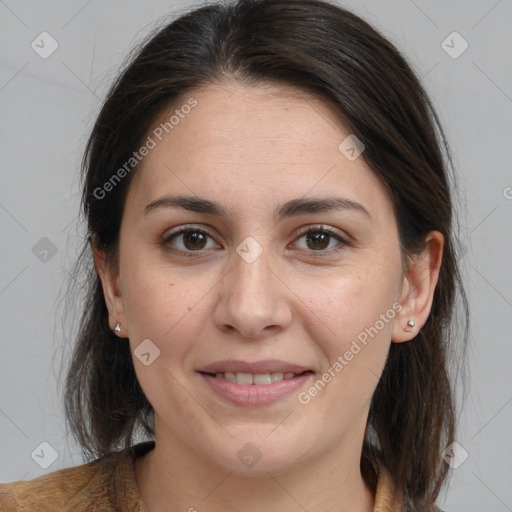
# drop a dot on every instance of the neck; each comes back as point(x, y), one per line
point(173, 477)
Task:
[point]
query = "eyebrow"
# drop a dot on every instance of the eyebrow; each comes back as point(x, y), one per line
point(292, 208)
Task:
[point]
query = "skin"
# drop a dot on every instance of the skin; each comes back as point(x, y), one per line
point(252, 148)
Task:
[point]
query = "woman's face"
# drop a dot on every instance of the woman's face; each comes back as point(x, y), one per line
point(249, 291)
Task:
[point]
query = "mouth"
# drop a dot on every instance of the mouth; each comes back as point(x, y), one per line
point(253, 384)
point(259, 379)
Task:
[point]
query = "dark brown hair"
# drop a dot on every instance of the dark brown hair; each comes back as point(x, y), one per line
point(322, 49)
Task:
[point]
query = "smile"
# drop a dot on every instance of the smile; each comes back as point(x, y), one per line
point(245, 379)
point(248, 390)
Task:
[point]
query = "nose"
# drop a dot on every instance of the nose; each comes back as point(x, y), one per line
point(254, 299)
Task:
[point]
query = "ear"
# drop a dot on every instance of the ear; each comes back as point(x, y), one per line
point(110, 282)
point(418, 288)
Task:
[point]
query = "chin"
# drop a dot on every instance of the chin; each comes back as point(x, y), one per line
point(257, 456)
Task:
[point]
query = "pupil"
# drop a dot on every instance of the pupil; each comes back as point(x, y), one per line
point(195, 238)
point(319, 238)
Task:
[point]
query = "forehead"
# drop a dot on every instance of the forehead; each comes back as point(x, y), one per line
point(267, 138)
point(258, 117)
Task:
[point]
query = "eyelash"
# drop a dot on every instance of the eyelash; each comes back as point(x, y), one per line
point(310, 229)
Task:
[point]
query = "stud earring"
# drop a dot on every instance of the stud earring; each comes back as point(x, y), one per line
point(117, 328)
point(410, 325)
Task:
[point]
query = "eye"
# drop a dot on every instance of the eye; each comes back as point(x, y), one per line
point(320, 238)
point(191, 239)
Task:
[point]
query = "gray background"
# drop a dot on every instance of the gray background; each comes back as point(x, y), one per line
point(48, 107)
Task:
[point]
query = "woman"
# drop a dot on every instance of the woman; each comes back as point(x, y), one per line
point(270, 218)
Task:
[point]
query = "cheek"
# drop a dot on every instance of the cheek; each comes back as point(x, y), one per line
point(339, 310)
point(167, 307)
point(166, 310)
point(350, 320)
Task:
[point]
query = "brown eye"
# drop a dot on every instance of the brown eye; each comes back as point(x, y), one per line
point(194, 240)
point(187, 240)
point(319, 240)
point(322, 240)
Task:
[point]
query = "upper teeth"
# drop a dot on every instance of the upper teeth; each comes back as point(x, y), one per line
point(258, 378)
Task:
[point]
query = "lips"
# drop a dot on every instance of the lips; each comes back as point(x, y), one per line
point(255, 383)
point(257, 367)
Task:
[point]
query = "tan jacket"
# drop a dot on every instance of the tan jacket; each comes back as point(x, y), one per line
point(89, 488)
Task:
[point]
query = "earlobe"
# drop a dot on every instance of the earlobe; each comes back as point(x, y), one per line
point(418, 289)
point(109, 281)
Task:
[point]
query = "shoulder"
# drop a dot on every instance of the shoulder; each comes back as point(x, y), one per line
point(51, 491)
point(92, 486)
point(387, 499)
